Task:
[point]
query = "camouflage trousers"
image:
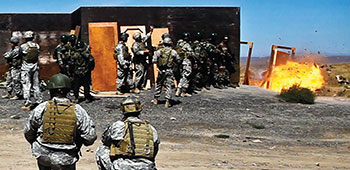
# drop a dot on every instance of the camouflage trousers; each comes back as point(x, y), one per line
point(13, 81)
point(124, 78)
point(165, 79)
point(184, 82)
point(141, 75)
point(103, 159)
point(30, 81)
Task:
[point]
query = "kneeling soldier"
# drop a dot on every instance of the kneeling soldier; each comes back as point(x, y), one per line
point(131, 143)
point(57, 129)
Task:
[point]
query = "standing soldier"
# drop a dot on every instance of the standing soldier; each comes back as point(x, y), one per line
point(82, 64)
point(131, 143)
point(183, 48)
point(14, 59)
point(61, 55)
point(57, 129)
point(214, 60)
point(200, 73)
point(141, 54)
point(123, 57)
point(229, 59)
point(30, 70)
point(165, 59)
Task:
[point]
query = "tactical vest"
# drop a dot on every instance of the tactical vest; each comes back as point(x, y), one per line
point(165, 59)
point(32, 54)
point(126, 56)
point(59, 124)
point(137, 142)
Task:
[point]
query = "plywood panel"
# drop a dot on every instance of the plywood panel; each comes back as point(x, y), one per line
point(103, 39)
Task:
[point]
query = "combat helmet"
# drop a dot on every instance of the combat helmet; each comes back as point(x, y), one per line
point(14, 40)
point(59, 81)
point(28, 35)
point(186, 36)
point(137, 35)
point(198, 35)
point(80, 44)
point(165, 35)
point(167, 41)
point(130, 105)
point(213, 36)
point(72, 39)
point(64, 38)
point(124, 36)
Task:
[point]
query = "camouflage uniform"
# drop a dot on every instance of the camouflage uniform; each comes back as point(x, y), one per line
point(229, 59)
point(165, 72)
point(30, 72)
point(214, 63)
point(53, 155)
point(123, 58)
point(202, 65)
point(61, 54)
point(185, 75)
point(13, 81)
point(140, 61)
point(115, 132)
point(82, 63)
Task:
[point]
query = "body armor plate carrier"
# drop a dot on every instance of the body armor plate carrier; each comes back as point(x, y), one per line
point(138, 141)
point(59, 124)
point(32, 54)
point(165, 59)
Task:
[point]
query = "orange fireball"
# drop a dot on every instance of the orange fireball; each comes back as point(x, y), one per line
point(306, 75)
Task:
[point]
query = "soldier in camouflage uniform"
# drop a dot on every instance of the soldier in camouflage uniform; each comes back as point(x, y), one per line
point(13, 81)
point(30, 70)
point(202, 64)
point(165, 59)
point(213, 60)
point(183, 48)
point(140, 59)
point(229, 60)
point(131, 143)
point(82, 63)
point(58, 148)
point(61, 54)
point(121, 54)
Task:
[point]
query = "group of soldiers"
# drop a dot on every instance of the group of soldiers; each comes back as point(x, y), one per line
point(194, 65)
point(57, 129)
point(23, 75)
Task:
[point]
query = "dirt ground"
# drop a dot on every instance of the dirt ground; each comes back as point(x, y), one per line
point(315, 137)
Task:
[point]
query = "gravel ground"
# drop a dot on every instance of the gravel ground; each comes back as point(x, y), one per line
point(246, 113)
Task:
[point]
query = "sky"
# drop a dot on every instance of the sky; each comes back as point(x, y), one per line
point(311, 26)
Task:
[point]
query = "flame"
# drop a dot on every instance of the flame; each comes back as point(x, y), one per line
point(306, 75)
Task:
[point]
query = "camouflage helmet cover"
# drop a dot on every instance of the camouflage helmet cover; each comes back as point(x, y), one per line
point(167, 41)
point(59, 81)
point(124, 36)
point(14, 40)
point(28, 34)
point(137, 35)
point(165, 35)
point(130, 105)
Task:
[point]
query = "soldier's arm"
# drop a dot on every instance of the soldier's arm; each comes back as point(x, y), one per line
point(119, 54)
point(155, 57)
point(137, 49)
point(176, 56)
point(33, 123)
point(156, 141)
point(86, 127)
point(187, 67)
point(148, 36)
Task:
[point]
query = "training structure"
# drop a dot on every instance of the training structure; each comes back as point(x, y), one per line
point(49, 27)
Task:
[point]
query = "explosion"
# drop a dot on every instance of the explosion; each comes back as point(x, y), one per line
point(307, 75)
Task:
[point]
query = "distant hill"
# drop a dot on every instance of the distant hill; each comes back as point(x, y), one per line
point(328, 59)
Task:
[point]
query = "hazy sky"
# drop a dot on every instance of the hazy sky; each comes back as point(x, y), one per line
point(308, 25)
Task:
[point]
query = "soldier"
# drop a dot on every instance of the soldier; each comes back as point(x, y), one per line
point(30, 70)
point(82, 63)
point(57, 129)
point(229, 60)
point(131, 143)
point(13, 80)
point(202, 63)
point(165, 59)
point(123, 57)
point(214, 60)
point(61, 55)
point(141, 54)
point(183, 48)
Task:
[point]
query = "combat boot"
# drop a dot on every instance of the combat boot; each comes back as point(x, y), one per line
point(185, 94)
point(178, 92)
point(136, 91)
point(119, 92)
point(167, 104)
point(7, 96)
point(14, 98)
point(155, 101)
